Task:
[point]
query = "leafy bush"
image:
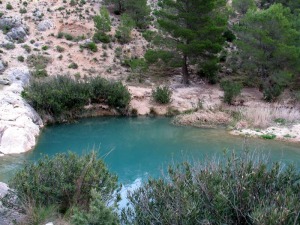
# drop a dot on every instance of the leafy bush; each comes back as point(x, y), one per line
point(73, 66)
point(229, 36)
point(9, 6)
point(115, 93)
point(91, 46)
point(162, 95)
point(210, 70)
point(9, 46)
point(123, 34)
point(268, 136)
point(60, 49)
point(63, 97)
point(231, 90)
point(98, 213)
point(101, 37)
point(240, 190)
point(66, 180)
point(23, 11)
point(21, 58)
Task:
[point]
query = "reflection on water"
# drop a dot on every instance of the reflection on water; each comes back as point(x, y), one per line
point(136, 148)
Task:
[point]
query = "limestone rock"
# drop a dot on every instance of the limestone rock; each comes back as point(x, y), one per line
point(17, 33)
point(45, 25)
point(10, 22)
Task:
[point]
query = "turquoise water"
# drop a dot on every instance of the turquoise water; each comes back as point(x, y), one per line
point(135, 148)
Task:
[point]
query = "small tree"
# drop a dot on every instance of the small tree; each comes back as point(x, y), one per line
point(242, 6)
point(139, 11)
point(102, 21)
point(231, 90)
point(123, 33)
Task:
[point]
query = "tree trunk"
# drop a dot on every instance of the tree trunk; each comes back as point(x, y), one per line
point(185, 72)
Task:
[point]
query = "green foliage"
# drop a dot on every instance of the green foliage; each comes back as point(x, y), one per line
point(37, 215)
point(23, 11)
point(268, 136)
point(193, 29)
point(231, 90)
point(139, 11)
point(73, 65)
point(9, 46)
point(38, 60)
point(123, 33)
point(102, 21)
point(162, 95)
point(60, 49)
point(242, 6)
point(98, 214)
point(210, 70)
point(243, 189)
point(21, 58)
point(229, 36)
point(119, 5)
point(92, 46)
point(269, 48)
point(27, 48)
point(149, 35)
point(153, 56)
point(66, 180)
point(69, 37)
point(101, 37)
point(9, 6)
point(63, 97)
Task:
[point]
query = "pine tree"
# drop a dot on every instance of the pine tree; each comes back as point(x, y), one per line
point(269, 47)
point(192, 30)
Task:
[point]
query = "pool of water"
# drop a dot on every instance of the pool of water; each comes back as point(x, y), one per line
point(135, 148)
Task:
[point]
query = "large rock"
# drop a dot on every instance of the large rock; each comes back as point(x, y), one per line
point(45, 25)
point(17, 33)
point(19, 123)
point(17, 30)
point(10, 22)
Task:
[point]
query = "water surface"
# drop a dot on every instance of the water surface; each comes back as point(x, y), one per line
point(135, 148)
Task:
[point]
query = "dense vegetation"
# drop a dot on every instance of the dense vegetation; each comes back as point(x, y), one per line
point(241, 189)
point(256, 41)
point(69, 184)
point(64, 96)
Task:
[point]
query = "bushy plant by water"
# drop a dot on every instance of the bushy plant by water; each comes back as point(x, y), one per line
point(162, 95)
point(65, 97)
point(65, 180)
point(231, 90)
point(242, 190)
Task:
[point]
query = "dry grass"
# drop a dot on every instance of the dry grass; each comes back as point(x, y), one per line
point(203, 118)
point(264, 115)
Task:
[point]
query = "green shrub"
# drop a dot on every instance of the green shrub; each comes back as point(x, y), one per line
point(73, 66)
point(58, 96)
point(268, 136)
point(101, 37)
point(21, 58)
point(65, 180)
point(243, 189)
point(27, 48)
point(63, 98)
point(1, 14)
point(92, 46)
point(23, 11)
point(229, 36)
point(272, 92)
point(39, 72)
point(231, 90)
point(9, 46)
point(60, 49)
point(162, 95)
point(37, 60)
point(98, 213)
point(69, 37)
point(9, 6)
point(45, 48)
point(210, 70)
point(60, 35)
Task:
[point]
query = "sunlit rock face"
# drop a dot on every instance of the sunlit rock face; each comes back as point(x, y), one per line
point(19, 123)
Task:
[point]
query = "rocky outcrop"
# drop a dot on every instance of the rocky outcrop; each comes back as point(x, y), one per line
point(9, 215)
point(19, 123)
point(16, 29)
point(45, 25)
